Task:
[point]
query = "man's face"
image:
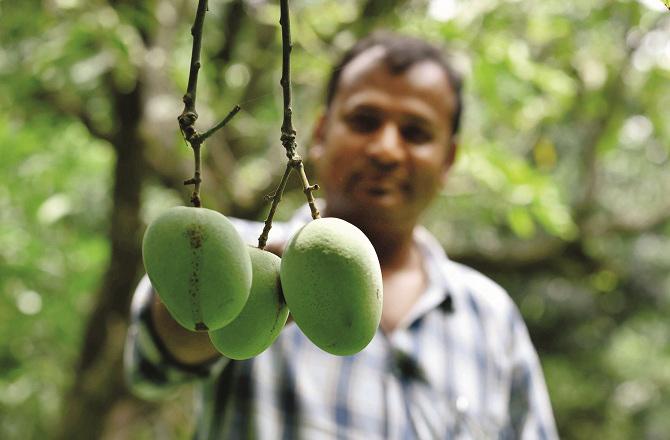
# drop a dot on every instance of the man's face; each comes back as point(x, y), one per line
point(384, 148)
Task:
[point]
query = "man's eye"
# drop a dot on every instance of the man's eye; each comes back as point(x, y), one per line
point(416, 134)
point(363, 123)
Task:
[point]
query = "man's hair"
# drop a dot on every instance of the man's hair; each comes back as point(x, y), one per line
point(401, 53)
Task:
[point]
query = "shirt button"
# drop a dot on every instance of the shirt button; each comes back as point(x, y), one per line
point(462, 404)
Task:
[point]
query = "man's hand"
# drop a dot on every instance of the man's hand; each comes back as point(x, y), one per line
point(278, 250)
point(187, 347)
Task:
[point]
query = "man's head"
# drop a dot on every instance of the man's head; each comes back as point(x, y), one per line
point(401, 52)
point(387, 139)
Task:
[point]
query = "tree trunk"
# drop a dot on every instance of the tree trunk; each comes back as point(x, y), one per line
point(99, 382)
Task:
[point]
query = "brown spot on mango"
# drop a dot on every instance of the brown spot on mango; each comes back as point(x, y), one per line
point(199, 265)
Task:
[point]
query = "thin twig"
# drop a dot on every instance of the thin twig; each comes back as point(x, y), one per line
point(288, 133)
point(221, 124)
point(189, 115)
point(195, 180)
point(307, 188)
point(276, 198)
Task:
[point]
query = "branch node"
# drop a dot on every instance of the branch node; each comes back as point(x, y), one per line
point(195, 200)
point(193, 181)
point(187, 118)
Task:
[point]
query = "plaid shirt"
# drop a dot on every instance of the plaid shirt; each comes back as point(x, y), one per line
point(460, 366)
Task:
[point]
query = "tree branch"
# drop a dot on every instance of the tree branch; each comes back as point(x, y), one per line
point(288, 133)
point(189, 115)
point(75, 110)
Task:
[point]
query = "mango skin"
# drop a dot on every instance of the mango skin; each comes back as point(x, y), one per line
point(199, 265)
point(262, 318)
point(332, 283)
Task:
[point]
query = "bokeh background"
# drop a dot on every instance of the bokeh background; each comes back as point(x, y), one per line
point(561, 191)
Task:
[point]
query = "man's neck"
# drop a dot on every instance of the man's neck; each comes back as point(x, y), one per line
point(401, 264)
point(394, 250)
point(402, 272)
point(394, 244)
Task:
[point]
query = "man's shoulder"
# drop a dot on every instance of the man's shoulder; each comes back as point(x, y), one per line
point(478, 292)
point(470, 290)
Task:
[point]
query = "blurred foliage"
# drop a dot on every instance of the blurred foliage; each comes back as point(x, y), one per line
point(560, 191)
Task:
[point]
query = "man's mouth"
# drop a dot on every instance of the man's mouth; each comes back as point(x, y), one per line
point(377, 185)
point(377, 191)
point(384, 187)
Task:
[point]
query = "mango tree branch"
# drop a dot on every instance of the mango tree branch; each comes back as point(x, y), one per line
point(288, 133)
point(189, 115)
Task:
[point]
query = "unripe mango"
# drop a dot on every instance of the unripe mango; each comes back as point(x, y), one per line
point(262, 318)
point(332, 283)
point(199, 265)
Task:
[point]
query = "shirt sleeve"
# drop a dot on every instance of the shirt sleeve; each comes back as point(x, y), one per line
point(531, 416)
point(151, 371)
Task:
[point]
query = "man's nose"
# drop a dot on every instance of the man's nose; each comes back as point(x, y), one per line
point(386, 149)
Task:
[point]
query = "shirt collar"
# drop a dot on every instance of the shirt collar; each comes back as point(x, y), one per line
point(437, 295)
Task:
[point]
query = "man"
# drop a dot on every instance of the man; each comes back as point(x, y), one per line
point(452, 357)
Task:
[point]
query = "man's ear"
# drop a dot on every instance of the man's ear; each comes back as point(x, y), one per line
point(449, 159)
point(316, 150)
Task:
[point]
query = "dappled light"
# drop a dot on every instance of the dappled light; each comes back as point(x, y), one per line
point(560, 191)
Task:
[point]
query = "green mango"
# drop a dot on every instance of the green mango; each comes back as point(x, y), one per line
point(262, 318)
point(332, 283)
point(199, 265)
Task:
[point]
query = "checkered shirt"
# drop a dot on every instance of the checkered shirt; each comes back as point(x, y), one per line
point(460, 366)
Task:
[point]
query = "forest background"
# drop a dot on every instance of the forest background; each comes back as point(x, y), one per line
point(560, 192)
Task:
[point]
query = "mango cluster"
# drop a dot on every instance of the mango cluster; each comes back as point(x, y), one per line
point(210, 280)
